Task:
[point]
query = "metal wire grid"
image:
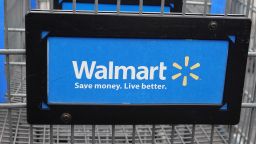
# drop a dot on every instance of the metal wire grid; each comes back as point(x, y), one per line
point(14, 127)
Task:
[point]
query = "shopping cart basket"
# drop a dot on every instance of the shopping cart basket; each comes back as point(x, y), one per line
point(15, 129)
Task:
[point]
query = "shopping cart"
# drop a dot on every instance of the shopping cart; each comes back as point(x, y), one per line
point(15, 129)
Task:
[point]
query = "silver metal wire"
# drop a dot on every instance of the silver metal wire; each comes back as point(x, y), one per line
point(72, 134)
point(133, 133)
point(118, 4)
point(184, 6)
point(227, 9)
point(14, 127)
point(140, 6)
point(153, 134)
point(113, 134)
point(96, 3)
point(93, 134)
point(31, 135)
point(51, 5)
point(212, 134)
point(162, 6)
point(51, 134)
point(74, 6)
point(205, 7)
point(248, 7)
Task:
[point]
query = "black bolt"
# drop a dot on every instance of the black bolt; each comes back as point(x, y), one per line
point(213, 25)
point(66, 117)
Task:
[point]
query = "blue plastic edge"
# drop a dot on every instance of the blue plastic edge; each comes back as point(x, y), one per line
point(2, 72)
point(45, 106)
point(218, 6)
point(232, 38)
point(224, 107)
point(44, 34)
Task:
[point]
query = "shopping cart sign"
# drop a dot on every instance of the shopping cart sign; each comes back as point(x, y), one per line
point(149, 6)
point(136, 71)
point(129, 69)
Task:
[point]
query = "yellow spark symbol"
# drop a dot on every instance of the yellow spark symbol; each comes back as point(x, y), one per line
point(185, 78)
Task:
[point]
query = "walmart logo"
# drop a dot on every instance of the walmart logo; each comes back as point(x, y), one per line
point(92, 70)
point(185, 77)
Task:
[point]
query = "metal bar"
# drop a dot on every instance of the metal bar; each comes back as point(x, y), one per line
point(172, 134)
point(212, 134)
point(44, 135)
point(17, 63)
point(204, 132)
point(17, 126)
point(230, 134)
point(18, 95)
point(238, 132)
point(28, 6)
point(140, 6)
point(74, 6)
point(51, 5)
point(243, 7)
point(248, 8)
point(205, 7)
point(192, 15)
point(252, 9)
point(140, 137)
point(113, 134)
point(98, 135)
point(133, 133)
point(163, 128)
point(118, 4)
point(30, 134)
point(96, 4)
point(245, 118)
point(58, 133)
point(153, 133)
point(242, 4)
point(227, 8)
point(197, 3)
point(3, 130)
point(12, 51)
point(23, 105)
point(125, 135)
point(12, 105)
point(184, 8)
point(248, 105)
point(250, 125)
point(51, 134)
point(193, 134)
point(93, 134)
point(72, 134)
point(10, 125)
point(16, 29)
point(220, 134)
point(162, 6)
point(85, 135)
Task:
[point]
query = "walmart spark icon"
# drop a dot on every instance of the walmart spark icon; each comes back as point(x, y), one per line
point(185, 77)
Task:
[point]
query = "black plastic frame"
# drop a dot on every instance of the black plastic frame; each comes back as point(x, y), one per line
point(173, 27)
point(176, 3)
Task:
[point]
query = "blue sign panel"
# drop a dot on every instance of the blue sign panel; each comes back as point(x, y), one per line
point(218, 6)
point(112, 7)
point(2, 73)
point(136, 71)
